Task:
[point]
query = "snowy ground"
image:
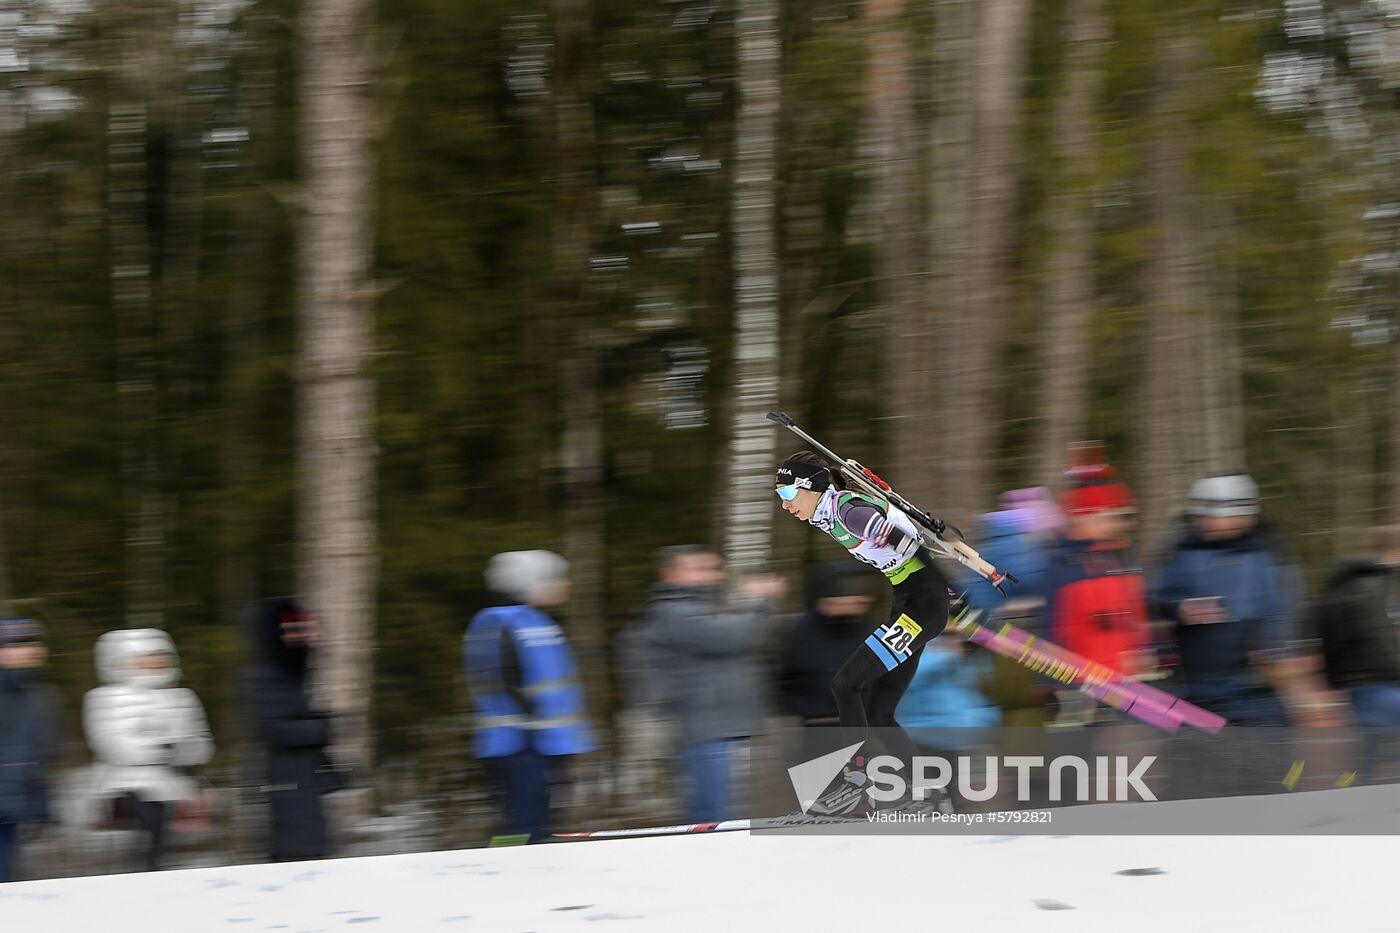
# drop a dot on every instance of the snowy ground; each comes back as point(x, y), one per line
point(738, 881)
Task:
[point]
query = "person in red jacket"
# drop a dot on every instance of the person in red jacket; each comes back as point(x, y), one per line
point(1097, 598)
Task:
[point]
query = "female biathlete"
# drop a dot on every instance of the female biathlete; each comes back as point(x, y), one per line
point(876, 532)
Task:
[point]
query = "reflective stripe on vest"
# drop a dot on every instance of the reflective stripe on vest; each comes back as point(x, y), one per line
point(521, 721)
point(544, 686)
point(550, 680)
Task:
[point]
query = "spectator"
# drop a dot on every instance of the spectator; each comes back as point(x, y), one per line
point(1233, 594)
point(144, 731)
point(839, 599)
point(29, 738)
point(1018, 539)
point(944, 707)
point(1356, 619)
point(294, 734)
point(1096, 600)
point(643, 742)
point(704, 648)
point(529, 702)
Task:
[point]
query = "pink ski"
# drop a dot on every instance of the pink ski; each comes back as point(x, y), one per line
point(1141, 701)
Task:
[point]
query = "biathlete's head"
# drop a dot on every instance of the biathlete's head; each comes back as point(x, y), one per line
point(802, 480)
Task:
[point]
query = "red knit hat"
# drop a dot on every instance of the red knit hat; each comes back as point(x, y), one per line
point(1094, 486)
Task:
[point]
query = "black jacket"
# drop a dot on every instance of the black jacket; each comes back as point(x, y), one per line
point(29, 743)
point(818, 645)
point(1360, 640)
point(294, 737)
point(815, 650)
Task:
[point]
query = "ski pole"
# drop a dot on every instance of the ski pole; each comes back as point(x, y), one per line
point(933, 528)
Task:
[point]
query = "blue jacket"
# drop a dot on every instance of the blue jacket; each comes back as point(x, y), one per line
point(525, 685)
point(1261, 594)
point(28, 744)
point(1008, 547)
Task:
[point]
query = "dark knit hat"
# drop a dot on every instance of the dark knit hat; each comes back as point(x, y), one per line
point(20, 632)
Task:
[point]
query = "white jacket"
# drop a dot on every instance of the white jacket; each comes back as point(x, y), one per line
point(140, 726)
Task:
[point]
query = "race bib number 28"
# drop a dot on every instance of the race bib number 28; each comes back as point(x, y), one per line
point(899, 635)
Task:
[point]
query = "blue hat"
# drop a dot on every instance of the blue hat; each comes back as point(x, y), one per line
point(20, 631)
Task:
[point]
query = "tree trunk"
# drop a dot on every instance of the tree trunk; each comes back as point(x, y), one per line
point(336, 447)
point(756, 363)
point(1162, 430)
point(575, 319)
point(136, 352)
point(1352, 457)
point(1226, 361)
point(6, 593)
point(184, 123)
point(909, 371)
point(1220, 406)
point(1069, 308)
point(1392, 509)
point(973, 384)
point(11, 123)
point(586, 518)
point(951, 149)
point(241, 332)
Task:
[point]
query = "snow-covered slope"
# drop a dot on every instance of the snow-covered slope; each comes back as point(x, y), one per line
point(737, 881)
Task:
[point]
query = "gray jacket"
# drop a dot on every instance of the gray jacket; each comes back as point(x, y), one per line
point(700, 661)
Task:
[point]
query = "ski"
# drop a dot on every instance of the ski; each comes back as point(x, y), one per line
point(932, 530)
point(724, 826)
point(1113, 688)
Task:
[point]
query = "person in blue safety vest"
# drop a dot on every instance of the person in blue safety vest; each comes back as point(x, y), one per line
point(529, 703)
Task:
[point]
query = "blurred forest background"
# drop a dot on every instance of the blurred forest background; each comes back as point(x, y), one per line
point(340, 299)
